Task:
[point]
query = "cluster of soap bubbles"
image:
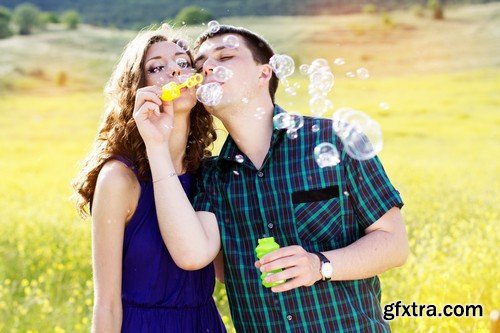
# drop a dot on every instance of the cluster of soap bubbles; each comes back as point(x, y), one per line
point(361, 137)
point(321, 81)
point(210, 94)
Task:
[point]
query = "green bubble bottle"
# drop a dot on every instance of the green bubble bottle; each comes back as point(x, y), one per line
point(267, 245)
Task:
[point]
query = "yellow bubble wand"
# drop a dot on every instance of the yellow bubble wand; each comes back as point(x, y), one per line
point(172, 90)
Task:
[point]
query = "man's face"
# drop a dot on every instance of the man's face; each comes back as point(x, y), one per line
point(246, 79)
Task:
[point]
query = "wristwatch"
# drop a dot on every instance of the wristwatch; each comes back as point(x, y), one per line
point(326, 268)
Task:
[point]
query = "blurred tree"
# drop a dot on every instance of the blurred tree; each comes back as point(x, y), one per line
point(5, 17)
point(51, 17)
point(71, 19)
point(61, 78)
point(436, 6)
point(27, 17)
point(193, 15)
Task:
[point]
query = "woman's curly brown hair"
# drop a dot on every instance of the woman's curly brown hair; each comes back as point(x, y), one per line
point(118, 133)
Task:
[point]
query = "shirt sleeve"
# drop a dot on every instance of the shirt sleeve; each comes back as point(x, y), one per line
point(370, 189)
point(201, 198)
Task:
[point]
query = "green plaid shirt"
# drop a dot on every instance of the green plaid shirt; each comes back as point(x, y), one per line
point(298, 203)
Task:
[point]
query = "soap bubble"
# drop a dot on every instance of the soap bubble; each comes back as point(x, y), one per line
point(292, 91)
point(292, 134)
point(384, 105)
point(283, 65)
point(326, 155)
point(361, 135)
point(320, 105)
point(320, 62)
point(363, 73)
point(183, 45)
point(183, 78)
point(182, 63)
point(213, 26)
point(239, 158)
point(209, 94)
point(304, 68)
point(231, 41)
point(281, 120)
point(339, 62)
point(321, 82)
point(296, 121)
point(222, 74)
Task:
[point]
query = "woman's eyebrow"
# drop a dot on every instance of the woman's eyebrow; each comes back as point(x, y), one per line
point(176, 54)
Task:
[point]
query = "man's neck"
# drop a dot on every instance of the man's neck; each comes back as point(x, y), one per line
point(251, 127)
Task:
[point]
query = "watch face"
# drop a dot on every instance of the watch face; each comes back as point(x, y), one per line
point(327, 270)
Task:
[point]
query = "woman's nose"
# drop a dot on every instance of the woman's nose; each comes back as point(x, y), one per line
point(173, 69)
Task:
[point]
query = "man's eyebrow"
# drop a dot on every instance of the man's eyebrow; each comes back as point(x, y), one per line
point(203, 56)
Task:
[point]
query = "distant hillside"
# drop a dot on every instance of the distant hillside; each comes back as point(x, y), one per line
point(138, 13)
point(466, 40)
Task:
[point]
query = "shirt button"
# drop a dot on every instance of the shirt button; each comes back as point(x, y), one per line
point(270, 225)
point(260, 174)
point(289, 317)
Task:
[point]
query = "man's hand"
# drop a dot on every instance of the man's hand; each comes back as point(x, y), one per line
point(301, 268)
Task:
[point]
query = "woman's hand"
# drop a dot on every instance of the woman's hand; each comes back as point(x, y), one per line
point(154, 117)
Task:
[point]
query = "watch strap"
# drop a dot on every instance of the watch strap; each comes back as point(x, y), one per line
point(323, 259)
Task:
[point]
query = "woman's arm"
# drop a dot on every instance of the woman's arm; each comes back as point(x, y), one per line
point(192, 238)
point(115, 199)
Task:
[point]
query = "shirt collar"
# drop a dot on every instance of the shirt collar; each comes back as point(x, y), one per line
point(230, 149)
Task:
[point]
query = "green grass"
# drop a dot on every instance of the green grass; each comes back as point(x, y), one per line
point(440, 150)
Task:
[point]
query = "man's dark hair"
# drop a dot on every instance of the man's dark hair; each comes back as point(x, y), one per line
point(260, 48)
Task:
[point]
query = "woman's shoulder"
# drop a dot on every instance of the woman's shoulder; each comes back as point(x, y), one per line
point(116, 174)
point(117, 190)
point(117, 180)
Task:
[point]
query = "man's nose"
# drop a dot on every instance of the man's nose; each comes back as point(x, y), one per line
point(208, 67)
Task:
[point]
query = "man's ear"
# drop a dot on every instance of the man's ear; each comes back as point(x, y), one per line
point(266, 72)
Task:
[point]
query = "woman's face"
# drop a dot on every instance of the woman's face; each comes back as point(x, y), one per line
point(166, 62)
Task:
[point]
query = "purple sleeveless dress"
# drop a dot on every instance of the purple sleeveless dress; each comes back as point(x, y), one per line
point(158, 296)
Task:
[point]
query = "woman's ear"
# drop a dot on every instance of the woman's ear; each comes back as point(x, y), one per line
point(266, 72)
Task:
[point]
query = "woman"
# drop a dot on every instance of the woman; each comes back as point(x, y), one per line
point(138, 286)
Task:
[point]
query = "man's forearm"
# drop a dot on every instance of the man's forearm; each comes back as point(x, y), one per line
point(371, 255)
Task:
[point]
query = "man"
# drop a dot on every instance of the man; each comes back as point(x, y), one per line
point(349, 213)
point(265, 184)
